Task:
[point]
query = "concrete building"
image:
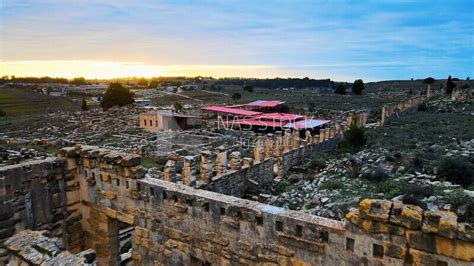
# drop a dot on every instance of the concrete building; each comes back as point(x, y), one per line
point(154, 121)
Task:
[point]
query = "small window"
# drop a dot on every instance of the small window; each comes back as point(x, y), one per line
point(117, 182)
point(222, 211)
point(350, 244)
point(109, 179)
point(325, 236)
point(377, 251)
point(299, 230)
point(145, 121)
point(259, 220)
point(138, 186)
point(205, 206)
point(8, 189)
point(85, 173)
point(93, 175)
point(151, 123)
point(152, 191)
point(127, 184)
point(441, 263)
point(279, 226)
point(164, 195)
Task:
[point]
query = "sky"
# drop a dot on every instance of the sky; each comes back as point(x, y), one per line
point(341, 40)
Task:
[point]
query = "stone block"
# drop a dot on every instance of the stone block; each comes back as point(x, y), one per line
point(394, 251)
point(130, 160)
point(457, 249)
point(421, 258)
point(466, 232)
point(409, 216)
point(443, 223)
point(374, 209)
point(421, 241)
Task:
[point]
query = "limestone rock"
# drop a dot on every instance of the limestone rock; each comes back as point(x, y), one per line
point(409, 216)
point(443, 223)
point(378, 210)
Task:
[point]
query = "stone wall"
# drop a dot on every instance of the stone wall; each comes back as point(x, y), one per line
point(395, 111)
point(401, 233)
point(176, 224)
point(39, 195)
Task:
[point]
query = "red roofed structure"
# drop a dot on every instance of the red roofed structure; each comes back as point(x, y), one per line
point(263, 103)
point(228, 110)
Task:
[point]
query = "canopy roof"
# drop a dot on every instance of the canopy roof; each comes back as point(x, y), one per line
point(309, 123)
point(264, 103)
point(228, 110)
point(278, 116)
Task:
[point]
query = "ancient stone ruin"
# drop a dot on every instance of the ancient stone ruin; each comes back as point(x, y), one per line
point(81, 200)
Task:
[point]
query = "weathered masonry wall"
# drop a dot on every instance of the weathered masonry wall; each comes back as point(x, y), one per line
point(39, 195)
point(394, 111)
point(176, 224)
point(274, 155)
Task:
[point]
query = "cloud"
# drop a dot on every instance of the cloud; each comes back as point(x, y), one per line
point(369, 39)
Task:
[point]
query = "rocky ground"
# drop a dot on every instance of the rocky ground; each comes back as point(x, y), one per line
point(35, 137)
point(401, 161)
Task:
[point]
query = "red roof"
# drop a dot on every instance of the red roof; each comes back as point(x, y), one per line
point(278, 116)
point(259, 123)
point(235, 111)
point(263, 103)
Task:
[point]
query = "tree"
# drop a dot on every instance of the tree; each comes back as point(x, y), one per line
point(142, 82)
point(236, 96)
point(79, 81)
point(358, 87)
point(248, 88)
point(116, 94)
point(450, 85)
point(84, 106)
point(178, 107)
point(340, 89)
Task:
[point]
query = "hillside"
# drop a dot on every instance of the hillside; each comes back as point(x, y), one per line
point(21, 101)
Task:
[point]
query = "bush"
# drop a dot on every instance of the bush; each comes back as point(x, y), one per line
point(236, 96)
point(317, 163)
point(422, 107)
point(2, 113)
point(457, 170)
point(354, 138)
point(331, 185)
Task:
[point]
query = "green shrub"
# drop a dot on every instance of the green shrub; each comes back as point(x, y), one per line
point(390, 188)
point(422, 107)
point(331, 184)
point(317, 163)
point(457, 170)
point(354, 138)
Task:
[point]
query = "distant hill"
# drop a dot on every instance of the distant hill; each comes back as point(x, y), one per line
point(21, 101)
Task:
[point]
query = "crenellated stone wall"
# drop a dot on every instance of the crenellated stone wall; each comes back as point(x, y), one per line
point(394, 111)
point(40, 195)
point(403, 233)
point(176, 224)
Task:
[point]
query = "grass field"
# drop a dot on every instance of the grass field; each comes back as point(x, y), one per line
point(16, 101)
